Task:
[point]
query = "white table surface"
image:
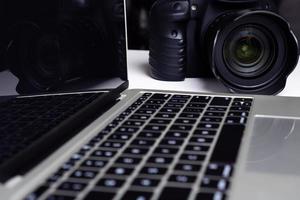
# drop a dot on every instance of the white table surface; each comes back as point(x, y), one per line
point(139, 78)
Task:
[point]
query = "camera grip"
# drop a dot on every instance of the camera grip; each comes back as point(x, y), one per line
point(167, 56)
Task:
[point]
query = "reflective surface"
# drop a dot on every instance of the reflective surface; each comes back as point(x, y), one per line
point(61, 45)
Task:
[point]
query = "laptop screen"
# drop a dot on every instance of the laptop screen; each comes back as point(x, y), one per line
point(61, 46)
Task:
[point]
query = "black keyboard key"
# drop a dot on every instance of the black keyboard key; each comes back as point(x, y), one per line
point(173, 105)
point(143, 142)
point(165, 150)
point(189, 115)
point(201, 99)
point(183, 179)
point(219, 170)
point(200, 132)
point(120, 136)
point(196, 105)
point(135, 195)
point(120, 171)
point(169, 110)
point(171, 193)
point(216, 184)
point(241, 103)
point(236, 120)
point(160, 121)
point(112, 144)
point(193, 110)
point(188, 167)
point(155, 101)
point(217, 109)
point(98, 164)
point(248, 100)
point(220, 101)
point(100, 195)
point(155, 128)
point(160, 160)
point(160, 96)
point(133, 123)
point(226, 149)
point(150, 135)
point(238, 114)
point(211, 119)
point(185, 121)
point(145, 111)
point(192, 157)
point(84, 174)
point(151, 106)
point(37, 193)
point(146, 182)
point(201, 140)
point(181, 96)
point(210, 196)
point(59, 197)
point(165, 115)
point(127, 130)
point(110, 182)
point(240, 108)
point(181, 128)
point(128, 160)
point(136, 151)
point(214, 114)
point(208, 125)
point(103, 153)
point(71, 186)
point(172, 142)
point(139, 117)
point(153, 170)
point(176, 134)
point(197, 148)
point(179, 101)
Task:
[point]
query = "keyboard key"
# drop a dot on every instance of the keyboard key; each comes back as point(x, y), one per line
point(169, 110)
point(153, 170)
point(171, 193)
point(208, 125)
point(201, 99)
point(249, 100)
point(214, 114)
point(210, 196)
point(200, 132)
point(216, 184)
point(193, 110)
point(59, 197)
point(160, 121)
point(139, 117)
point(240, 108)
point(127, 130)
point(110, 183)
point(103, 153)
point(219, 170)
point(201, 140)
point(136, 151)
point(149, 135)
point(192, 157)
point(211, 119)
point(135, 195)
point(120, 136)
point(197, 148)
point(84, 174)
point(189, 115)
point(181, 128)
point(128, 160)
point(182, 179)
point(155, 101)
point(111, 144)
point(98, 164)
point(151, 106)
point(185, 121)
point(146, 182)
point(165, 150)
point(238, 114)
point(165, 115)
point(236, 120)
point(228, 144)
point(188, 167)
point(220, 101)
point(155, 128)
point(171, 142)
point(160, 96)
point(133, 123)
point(145, 111)
point(218, 109)
point(177, 134)
point(71, 186)
point(160, 160)
point(196, 105)
point(143, 142)
point(119, 171)
point(174, 105)
point(99, 195)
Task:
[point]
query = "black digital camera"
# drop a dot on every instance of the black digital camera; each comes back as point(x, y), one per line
point(48, 43)
point(245, 44)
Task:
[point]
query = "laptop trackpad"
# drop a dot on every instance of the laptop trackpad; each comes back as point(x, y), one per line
point(275, 146)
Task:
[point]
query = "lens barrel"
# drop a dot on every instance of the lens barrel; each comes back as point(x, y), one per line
point(252, 52)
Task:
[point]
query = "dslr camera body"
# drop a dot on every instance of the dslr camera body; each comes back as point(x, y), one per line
point(245, 44)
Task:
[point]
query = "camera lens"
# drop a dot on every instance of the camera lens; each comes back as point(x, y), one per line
point(252, 51)
point(249, 50)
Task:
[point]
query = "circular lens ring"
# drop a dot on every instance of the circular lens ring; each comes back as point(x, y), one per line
point(262, 62)
point(285, 59)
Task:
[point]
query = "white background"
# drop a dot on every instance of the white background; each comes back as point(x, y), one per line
point(138, 74)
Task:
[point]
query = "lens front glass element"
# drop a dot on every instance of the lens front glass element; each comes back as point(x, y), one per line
point(249, 50)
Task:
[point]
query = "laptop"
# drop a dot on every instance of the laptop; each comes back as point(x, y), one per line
point(92, 139)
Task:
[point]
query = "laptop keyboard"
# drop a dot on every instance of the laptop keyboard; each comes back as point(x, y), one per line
point(24, 120)
point(161, 147)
